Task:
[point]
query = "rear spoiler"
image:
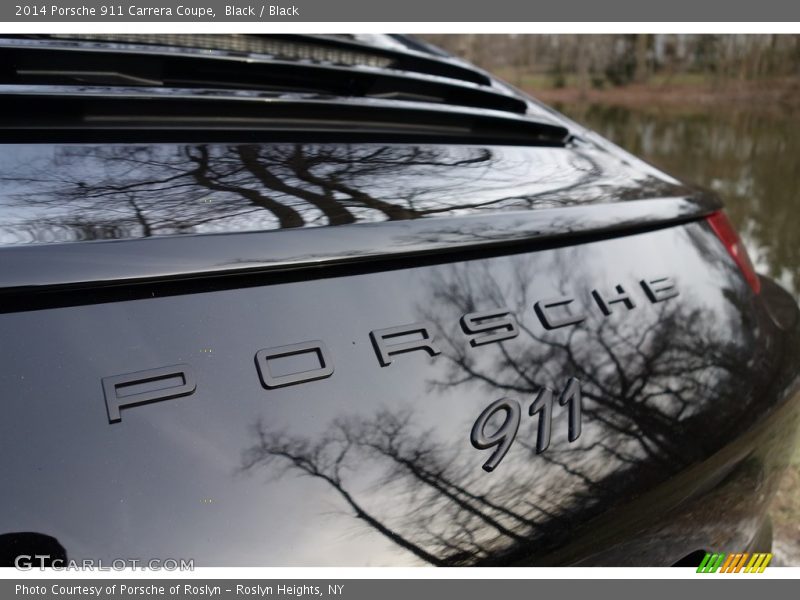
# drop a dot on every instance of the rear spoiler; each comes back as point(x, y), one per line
point(275, 256)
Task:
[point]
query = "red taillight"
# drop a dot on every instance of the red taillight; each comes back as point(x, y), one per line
point(727, 234)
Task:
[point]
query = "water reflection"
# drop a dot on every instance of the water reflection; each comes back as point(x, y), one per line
point(748, 156)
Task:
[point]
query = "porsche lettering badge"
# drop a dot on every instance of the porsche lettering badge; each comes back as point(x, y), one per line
point(480, 328)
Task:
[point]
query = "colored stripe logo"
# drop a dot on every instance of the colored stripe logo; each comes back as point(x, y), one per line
point(743, 562)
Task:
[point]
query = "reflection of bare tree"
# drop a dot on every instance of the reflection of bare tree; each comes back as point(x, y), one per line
point(324, 460)
point(442, 489)
point(641, 376)
point(110, 192)
point(161, 189)
point(648, 383)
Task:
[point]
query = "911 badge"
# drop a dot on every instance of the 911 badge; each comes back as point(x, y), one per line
point(503, 436)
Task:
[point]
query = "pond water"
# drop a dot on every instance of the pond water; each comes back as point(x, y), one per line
point(751, 158)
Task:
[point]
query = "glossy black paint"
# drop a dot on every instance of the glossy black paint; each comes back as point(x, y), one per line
point(269, 287)
point(80, 192)
point(374, 465)
point(495, 197)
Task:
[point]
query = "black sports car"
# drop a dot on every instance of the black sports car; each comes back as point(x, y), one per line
point(340, 300)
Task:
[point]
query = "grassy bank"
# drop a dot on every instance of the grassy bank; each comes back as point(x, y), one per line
point(665, 92)
point(785, 514)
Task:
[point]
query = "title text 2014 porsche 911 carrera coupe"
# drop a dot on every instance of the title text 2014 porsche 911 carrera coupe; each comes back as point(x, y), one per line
point(338, 300)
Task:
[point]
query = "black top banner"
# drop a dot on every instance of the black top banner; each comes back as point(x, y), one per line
point(473, 11)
